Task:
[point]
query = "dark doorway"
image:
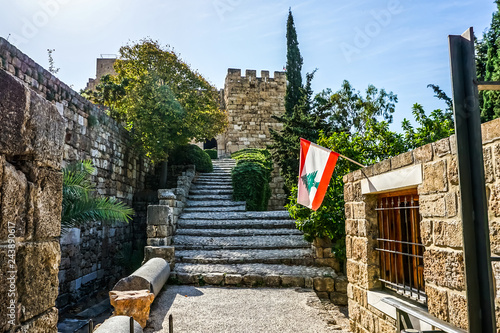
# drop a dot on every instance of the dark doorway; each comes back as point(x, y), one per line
point(210, 144)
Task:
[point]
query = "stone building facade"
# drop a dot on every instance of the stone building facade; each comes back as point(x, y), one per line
point(91, 255)
point(429, 173)
point(250, 103)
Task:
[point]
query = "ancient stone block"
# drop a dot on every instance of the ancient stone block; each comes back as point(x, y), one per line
point(432, 206)
point(324, 284)
point(37, 283)
point(253, 280)
point(338, 298)
point(48, 131)
point(495, 236)
point(165, 252)
point(444, 268)
point(13, 206)
point(451, 204)
point(159, 215)
point(160, 241)
point(453, 171)
point(134, 304)
point(44, 323)
point(458, 309)
point(426, 232)
point(348, 211)
point(435, 178)
point(186, 278)
point(8, 295)
point(341, 284)
point(382, 167)
point(358, 210)
point(423, 154)
point(272, 280)
point(328, 262)
point(489, 175)
point(47, 212)
point(442, 147)
point(214, 278)
point(490, 131)
point(14, 115)
point(448, 233)
point(402, 160)
point(437, 302)
point(292, 281)
point(348, 193)
point(233, 279)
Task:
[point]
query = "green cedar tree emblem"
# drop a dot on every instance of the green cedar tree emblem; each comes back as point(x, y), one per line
point(309, 182)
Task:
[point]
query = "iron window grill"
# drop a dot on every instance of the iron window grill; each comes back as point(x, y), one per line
point(400, 244)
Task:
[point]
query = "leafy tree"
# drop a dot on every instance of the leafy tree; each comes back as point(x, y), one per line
point(80, 205)
point(294, 92)
point(488, 66)
point(438, 125)
point(301, 123)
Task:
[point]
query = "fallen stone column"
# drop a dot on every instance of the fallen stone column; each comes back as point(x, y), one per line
point(118, 324)
point(151, 276)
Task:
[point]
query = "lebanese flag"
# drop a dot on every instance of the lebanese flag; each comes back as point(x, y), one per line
point(315, 171)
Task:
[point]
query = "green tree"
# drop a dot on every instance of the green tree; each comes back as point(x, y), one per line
point(301, 123)
point(80, 204)
point(488, 66)
point(294, 92)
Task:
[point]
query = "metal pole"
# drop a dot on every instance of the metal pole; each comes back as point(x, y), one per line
point(476, 239)
point(170, 324)
point(132, 325)
point(91, 326)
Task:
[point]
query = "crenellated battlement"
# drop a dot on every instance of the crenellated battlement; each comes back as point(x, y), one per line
point(234, 75)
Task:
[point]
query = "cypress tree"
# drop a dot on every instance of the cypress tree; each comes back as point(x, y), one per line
point(488, 66)
point(294, 91)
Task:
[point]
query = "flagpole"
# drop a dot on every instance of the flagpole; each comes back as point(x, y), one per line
point(352, 161)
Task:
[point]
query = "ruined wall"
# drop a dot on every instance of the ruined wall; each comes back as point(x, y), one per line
point(31, 147)
point(91, 255)
point(440, 227)
point(250, 103)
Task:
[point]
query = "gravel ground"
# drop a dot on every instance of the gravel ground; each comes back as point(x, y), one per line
point(239, 310)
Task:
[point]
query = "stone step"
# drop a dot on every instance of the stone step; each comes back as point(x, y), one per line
point(236, 232)
point(213, 203)
point(213, 182)
point(182, 242)
point(281, 256)
point(273, 215)
point(215, 174)
point(258, 269)
point(210, 192)
point(195, 187)
point(201, 223)
point(209, 197)
point(240, 208)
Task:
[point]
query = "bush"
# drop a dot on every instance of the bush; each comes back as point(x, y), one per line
point(191, 154)
point(251, 177)
point(212, 153)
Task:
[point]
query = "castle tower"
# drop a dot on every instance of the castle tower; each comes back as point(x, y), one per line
point(250, 103)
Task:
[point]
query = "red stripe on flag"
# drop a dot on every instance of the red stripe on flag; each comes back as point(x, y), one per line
point(304, 148)
point(325, 180)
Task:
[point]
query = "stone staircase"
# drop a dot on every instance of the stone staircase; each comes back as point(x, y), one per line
point(217, 242)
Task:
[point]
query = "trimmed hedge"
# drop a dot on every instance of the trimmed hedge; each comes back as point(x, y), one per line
point(251, 177)
point(212, 153)
point(191, 154)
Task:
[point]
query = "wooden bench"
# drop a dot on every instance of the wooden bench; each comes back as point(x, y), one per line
point(403, 311)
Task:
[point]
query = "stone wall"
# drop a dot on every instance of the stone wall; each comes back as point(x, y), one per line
point(440, 227)
point(250, 103)
point(104, 66)
point(91, 255)
point(31, 147)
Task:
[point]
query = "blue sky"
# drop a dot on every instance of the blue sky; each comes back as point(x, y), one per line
point(398, 45)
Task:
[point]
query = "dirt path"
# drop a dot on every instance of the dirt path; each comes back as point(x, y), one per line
point(235, 310)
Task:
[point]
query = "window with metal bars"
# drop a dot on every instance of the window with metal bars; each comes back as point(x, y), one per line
point(400, 244)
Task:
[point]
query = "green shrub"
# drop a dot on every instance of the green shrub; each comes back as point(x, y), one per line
point(212, 153)
point(191, 154)
point(251, 177)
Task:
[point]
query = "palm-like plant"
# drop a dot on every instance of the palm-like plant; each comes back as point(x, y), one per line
point(80, 204)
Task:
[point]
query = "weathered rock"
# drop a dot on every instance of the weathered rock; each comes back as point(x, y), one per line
point(37, 283)
point(13, 206)
point(151, 276)
point(159, 214)
point(165, 252)
point(48, 206)
point(213, 278)
point(233, 279)
point(324, 284)
point(338, 298)
point(253, 280)
point(118, 324)
point(292, 281)
point(44, 323)
point(134, 304)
